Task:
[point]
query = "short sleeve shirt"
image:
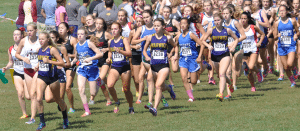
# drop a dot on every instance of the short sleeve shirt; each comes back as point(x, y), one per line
point(49, 7)
point(82, 12)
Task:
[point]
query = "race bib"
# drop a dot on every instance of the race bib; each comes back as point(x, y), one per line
point(230, 39)
point(246, 45)
point(286, 40)
point(117, 56)
point(33, 56)
point(158, 54)
point(219, 46)
point(43, 67)
point(186, 51)
point(18, 63)
point(140, 48)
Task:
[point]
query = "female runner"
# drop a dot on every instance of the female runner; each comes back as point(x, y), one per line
point(119, 50)
point(158, 43)
point(29, 46)
point(49, 57)
point(18, 67)
point(220, 51)
point(69, 42)
point(237, 55)
point(87, 54)
point(286, 40)
point(251, 48)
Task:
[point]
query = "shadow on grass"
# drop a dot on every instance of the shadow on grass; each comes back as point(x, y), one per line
point(249, 95)
point(181, 111)
point(206, 98)
point(268, 89)
point(208, 89)
point(76, 124)
point(175, 107)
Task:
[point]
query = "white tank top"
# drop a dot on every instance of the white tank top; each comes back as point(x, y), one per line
point(30, 52)
point(258, 18)
point(27, 12)
point(249, 44)
point(206, 18)
point(126, 31)
point(193, 29)
point(18, 64)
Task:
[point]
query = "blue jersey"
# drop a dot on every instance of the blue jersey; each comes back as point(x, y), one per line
point(46, 70)
point(84, 52)
point(187, 46)
point(287, 34)
point(145, 33)
point(234, 30)
point(219, 41)
point(118, 59)
point(159, 49)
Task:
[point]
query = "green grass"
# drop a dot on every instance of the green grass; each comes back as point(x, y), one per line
point(273, 107)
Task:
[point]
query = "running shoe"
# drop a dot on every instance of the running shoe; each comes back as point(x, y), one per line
point(265, 74)
point(86, 114)
point(108, 103)
point(41, 126)
point(190, 100)
point(220, 97)
point(172, 93)
point(280, 78)
point(246, 71)
point(138, 102)
point(116, 109)
point(131, 110)
point(66, 124)
point(71, 111)
point(31, 121)
point(148, 106)
point(153, 111)
point(24, 116)
point(208, 65)
point(260, 77)
point(235, 87)
point(253, 89)
point(227, 97)
point(198, 81)
point(293, 85)
point(91, 102)
point(212, 81)
point(165, 102)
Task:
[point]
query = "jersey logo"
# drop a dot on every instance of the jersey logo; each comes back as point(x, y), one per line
point(108, 14)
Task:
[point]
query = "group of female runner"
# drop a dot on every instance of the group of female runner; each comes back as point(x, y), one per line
point(228, 37)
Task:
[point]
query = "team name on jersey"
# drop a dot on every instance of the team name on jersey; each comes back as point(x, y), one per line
point(286, 32)
point(113, 49)
point(158, 45)
point(219, 38)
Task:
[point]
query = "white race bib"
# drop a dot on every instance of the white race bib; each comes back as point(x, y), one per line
point(43, 67)
point(18, 63)
point(158, 54)
point(219, 46)
point(186, 51)
point(246, 45)
point(286, 40)
point(33, 56)
point(84, 63)
point(117, 56)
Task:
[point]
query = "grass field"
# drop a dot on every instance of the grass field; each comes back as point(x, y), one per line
point(273, 107)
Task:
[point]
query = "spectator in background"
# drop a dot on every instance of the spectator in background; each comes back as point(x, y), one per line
point(60, 13)
point(93, 5)
point(40, 19)
point(48, 11)
point(21, 16)
point(130, 10)
point(27, 10)
point(101, 7)
point(109, 15)
point(121, 6)
point(72, 8)
point(83, 13)
point(33, 11)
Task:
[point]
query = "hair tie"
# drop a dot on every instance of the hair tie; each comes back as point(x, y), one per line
point(22, 29)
